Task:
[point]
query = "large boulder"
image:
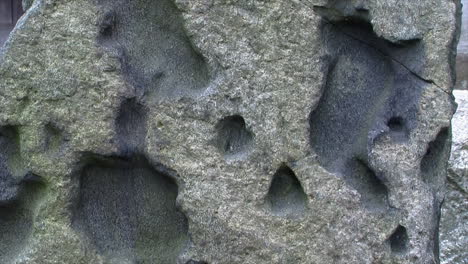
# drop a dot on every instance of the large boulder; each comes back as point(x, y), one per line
point(454, 221)
point(153, 131)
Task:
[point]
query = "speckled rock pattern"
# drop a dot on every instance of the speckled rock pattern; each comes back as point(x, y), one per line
point(219, 131)
point(454, 221)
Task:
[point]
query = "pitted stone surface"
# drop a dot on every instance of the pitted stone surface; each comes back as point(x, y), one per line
point(284, 131)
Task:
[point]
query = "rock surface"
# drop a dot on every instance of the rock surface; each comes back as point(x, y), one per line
point(212, 131)
point(454, 221)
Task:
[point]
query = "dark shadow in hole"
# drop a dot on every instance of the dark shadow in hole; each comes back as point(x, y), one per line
point(397, 129)
point(374, 193)
point(233, 138)
point(156, 54)
point(107, 29)
point(286, 197)
point(131, 127)
point(128, 210)
point(434, 162)
point(399, 240)
point(396, 124)
point(196, 262)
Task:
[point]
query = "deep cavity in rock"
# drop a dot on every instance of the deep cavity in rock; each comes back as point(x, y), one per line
point(128, 211)
point(286, 197)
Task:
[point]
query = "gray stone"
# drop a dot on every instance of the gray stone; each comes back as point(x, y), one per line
point(209, 131)
point(454, 221)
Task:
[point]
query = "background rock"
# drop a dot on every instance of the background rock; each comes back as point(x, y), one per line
point(454, 222)
point(10, 12)
point(462, 51)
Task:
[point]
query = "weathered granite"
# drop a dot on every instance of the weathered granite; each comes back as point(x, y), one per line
point(454, 221)
point(214, 131)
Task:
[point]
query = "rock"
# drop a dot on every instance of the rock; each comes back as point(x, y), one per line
point(226, 131)
point(454, 221)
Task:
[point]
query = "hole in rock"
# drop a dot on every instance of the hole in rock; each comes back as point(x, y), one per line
point(131, 127)
point(233, 137)
point(396, 124)
point(286, 197)
point(19, 192)
point(434, 162)
point(128, 211)
point(108, 23)
point(157, 56)
point(398, 129)
point(374, 193)
point(399, 240)
point(16, 218)
point(353, 108)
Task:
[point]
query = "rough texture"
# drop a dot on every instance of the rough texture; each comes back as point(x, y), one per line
point(214, 131)
point(454, 221)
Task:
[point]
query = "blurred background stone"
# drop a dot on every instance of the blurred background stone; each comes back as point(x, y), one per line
point(10, 12)
point(462, 50)
point(454, 222)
